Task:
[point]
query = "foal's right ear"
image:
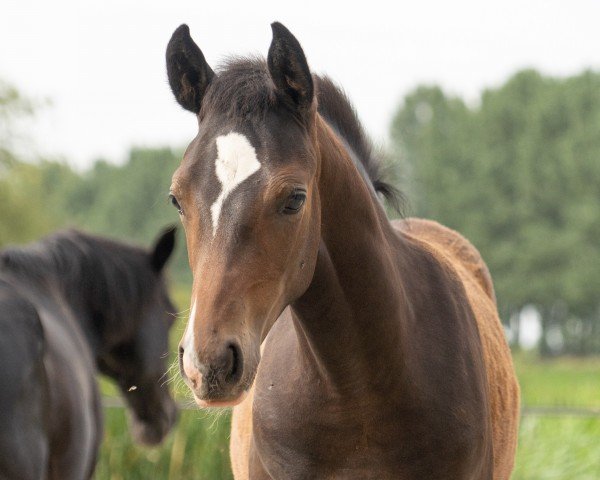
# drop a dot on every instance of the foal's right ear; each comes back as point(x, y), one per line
point(189, 74)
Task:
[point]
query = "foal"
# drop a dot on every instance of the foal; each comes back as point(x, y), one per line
point(70, 305)
point(390, 361)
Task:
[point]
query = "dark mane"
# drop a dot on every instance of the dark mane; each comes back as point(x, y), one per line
point(242, 88)
point(336, 108)
point(109, 280)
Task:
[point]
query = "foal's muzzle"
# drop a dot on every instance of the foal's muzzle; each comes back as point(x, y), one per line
point(217, 380)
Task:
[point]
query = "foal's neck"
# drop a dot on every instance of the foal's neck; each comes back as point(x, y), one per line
point(348, 321)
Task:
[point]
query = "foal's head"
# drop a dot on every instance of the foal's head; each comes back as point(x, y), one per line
point(248, 198)
point(135, 320)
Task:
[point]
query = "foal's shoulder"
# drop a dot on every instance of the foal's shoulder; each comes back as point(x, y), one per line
point(451, 245)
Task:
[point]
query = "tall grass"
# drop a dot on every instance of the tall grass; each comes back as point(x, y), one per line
point(197, 449)
point(558, 448)
point(572, 382)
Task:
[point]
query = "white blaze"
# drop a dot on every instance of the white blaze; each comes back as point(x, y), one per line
point(189, 353)
point(236, 161)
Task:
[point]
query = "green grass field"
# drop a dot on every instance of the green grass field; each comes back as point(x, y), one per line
point(559, 382)
point(550, 447)
point(558, 447)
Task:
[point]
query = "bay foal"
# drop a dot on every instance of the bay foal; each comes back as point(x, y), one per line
point(390, 361)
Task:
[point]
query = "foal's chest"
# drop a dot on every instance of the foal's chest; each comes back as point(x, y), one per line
point(301, 432)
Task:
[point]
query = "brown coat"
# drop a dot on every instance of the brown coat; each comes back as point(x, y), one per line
point(462, 259)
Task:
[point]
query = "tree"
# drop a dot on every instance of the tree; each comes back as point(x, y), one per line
point(519, 175)
point(22, 216)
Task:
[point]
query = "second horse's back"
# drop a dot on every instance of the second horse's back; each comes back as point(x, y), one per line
point(24, 449)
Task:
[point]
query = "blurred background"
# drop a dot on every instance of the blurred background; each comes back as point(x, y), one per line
point(487, 113)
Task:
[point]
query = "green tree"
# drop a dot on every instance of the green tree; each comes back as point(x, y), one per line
point(23, 215)
point(519, 175)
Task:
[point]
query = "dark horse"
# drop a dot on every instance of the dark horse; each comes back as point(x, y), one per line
point(70, 305)
point(390, 361)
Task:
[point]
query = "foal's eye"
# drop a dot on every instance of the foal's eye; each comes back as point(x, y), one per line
point(294, 202)
point(175, 203)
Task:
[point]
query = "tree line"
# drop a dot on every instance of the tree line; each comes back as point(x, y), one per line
point(518, 173)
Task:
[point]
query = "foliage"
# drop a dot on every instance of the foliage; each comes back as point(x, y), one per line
point(126, 201)
point(23, 192)
point(519, 175)
point(13, 108)
point(22, 185)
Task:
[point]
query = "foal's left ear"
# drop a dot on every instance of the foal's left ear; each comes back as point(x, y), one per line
point(189, 74)
point(289, 69)
point(163, 248)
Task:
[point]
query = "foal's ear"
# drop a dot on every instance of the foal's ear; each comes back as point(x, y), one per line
point(289, 69)
point(189, 74)
point(163, 248)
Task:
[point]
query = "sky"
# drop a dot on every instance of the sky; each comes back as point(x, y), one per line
point(101, 64)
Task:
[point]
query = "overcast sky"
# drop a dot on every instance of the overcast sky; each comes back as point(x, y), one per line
point(102, 63)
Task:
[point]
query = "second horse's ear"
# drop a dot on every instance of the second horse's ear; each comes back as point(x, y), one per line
point(163, 248)
point(289, 69)
point(189, 74)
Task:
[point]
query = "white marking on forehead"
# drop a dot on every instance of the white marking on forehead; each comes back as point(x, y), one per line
point(236, 161)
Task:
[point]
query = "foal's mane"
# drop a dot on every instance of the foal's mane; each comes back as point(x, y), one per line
point(336, 108)
point(110, 280)
point(243, 88)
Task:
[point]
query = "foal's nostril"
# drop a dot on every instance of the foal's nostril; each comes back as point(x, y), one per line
point(235, 363)
point(181, 361)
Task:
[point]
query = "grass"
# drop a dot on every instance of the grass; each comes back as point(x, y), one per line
point(198, 449)
point(571, 382)
point(558, 448)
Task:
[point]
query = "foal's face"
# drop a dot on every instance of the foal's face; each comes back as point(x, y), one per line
point(247, 195)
